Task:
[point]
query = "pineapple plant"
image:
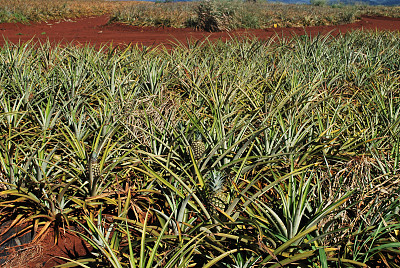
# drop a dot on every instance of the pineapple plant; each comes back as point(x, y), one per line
point(198, 146)
point(216, 190)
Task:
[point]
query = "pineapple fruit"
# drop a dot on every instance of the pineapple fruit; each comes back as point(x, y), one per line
point(93, 168)
point(217, 192)
point(198, 146)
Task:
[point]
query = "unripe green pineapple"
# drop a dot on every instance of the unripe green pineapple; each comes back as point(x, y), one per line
point(198, 146)
point(217, 191)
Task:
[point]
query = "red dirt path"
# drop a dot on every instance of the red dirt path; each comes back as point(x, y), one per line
point(97, 31)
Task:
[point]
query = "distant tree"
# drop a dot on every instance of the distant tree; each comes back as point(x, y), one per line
point(319, 2)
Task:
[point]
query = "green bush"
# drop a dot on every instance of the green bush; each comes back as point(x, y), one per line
point(213, 16)
point(319, 2)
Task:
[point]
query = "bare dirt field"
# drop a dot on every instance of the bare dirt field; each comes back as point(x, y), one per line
point(97, 31)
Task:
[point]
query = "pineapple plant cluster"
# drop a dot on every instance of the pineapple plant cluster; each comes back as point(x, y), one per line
point(213, 16)
point(287, 122)
point(146, 114)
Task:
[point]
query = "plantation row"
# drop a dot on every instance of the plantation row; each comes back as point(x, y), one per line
point(26, 11)
point(225, 15)
point(215, 15)
point(236, 154)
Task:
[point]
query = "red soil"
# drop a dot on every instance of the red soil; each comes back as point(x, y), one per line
point(45, 253)
point(97, 31)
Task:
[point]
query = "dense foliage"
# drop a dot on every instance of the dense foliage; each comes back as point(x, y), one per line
point(209, 15)
point(236, 154)
point(218, 15)
point(41, 10)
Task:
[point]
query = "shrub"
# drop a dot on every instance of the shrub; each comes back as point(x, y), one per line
point(213, 16)
point(319, 2)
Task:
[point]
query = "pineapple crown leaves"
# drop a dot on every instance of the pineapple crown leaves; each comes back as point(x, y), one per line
point(197, 136)
point(216, 180)
point(94, 156)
